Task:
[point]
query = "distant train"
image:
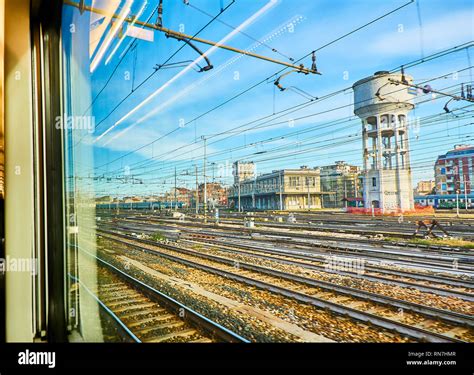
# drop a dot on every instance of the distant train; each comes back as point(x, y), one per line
point(153, 205)
point(447, 201)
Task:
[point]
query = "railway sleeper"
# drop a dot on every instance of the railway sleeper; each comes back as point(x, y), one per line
point(107, 299)
point(158, 318)
point(135, 307)
point(160, 327)
point(185, 333)
point(127, 302)
point(127, 315)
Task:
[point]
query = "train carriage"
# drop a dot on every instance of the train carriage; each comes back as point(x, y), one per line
point(446, 201)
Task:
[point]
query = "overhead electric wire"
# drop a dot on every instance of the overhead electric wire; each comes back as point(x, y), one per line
point(418, 164)
point(424, 60)
point(296, 119)
point(410, 64)
point(161, 65)
point(157, 69)
point(226, 151)
point(325, 141)
point(444, 142)
point(242, 32)
point(434, 141)
point(280, 71)
point(355, 139)
point(415, 165)
point(129, 48)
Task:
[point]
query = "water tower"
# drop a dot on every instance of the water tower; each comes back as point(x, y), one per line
point(383, 102)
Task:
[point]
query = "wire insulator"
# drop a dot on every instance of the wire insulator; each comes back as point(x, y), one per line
point(313, 65)
point(404, 80)
point(159, 21)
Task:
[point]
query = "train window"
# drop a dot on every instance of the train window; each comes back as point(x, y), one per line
point(192, 149)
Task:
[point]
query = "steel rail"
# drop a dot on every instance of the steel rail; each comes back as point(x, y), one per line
point(234, 248)
point(445, 249)
point(123, 328)
point(350, 229)
point(363, 231)
point(451, 316)
point(440, 264)
point(193, 317)
point(311, 256)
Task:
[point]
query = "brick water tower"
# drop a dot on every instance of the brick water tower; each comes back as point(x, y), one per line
point(383, 102)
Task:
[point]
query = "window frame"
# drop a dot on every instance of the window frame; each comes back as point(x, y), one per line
point(46, 18)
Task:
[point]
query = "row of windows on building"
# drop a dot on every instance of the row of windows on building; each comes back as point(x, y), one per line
point(275, 184)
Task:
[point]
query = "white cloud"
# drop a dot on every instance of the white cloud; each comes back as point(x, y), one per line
point(444, 32)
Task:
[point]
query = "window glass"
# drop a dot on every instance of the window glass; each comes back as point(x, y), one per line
point(190, 130)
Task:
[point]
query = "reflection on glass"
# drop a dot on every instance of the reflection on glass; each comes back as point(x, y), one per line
point(226, 162)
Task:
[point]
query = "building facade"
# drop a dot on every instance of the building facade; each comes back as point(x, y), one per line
point(286, 189)
point(243, 171)
point(424, 187)
point(216, 195)
point(181, 195)
point(341, 183)
point(454, 171)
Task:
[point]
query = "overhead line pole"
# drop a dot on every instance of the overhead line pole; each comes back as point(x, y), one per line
point(175, 192)
point(465, 193)
point(281, 192)
point(309, 196)
point(197, 190)
point(205, 180)
point(239, 194)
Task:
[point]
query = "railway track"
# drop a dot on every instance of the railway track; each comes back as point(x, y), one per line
point(454, 263)
point(340, 300)
point(431, 283)
point(335, 217)
point(352, 228)
point(369, 273)
point(439, 250)
point(341, 217)
point(427, 282)
point(357, 227)
point(147, 315)
point(455, 225)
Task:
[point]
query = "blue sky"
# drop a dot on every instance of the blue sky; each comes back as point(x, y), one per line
point(313, 141)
